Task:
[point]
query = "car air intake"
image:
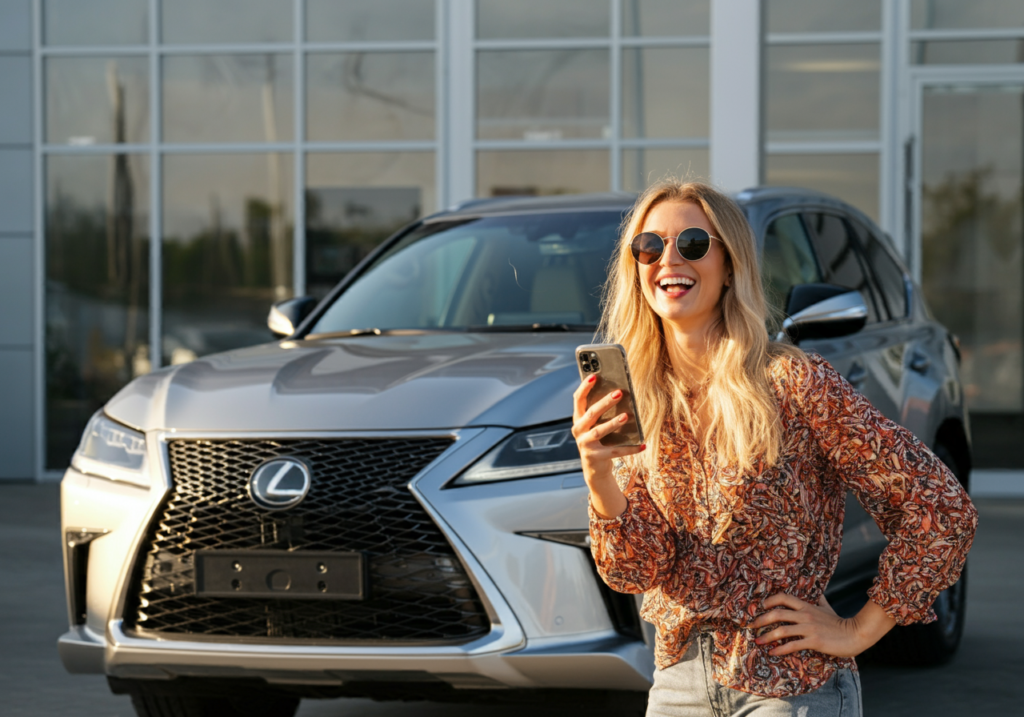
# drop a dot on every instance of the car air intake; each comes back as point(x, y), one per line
point(418, 590)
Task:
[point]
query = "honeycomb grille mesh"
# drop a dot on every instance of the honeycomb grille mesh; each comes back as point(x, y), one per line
point(358, 501)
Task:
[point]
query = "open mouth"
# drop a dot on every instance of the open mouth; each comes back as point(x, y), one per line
point(676, 285)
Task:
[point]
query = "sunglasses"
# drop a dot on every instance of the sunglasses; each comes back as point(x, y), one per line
point(692, 244)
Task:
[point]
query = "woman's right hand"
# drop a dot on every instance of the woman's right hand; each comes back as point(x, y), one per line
point(605, 495)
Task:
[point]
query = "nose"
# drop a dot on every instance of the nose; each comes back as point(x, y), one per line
point(671, 254)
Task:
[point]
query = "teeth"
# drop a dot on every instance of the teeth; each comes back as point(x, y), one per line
point(676, 280)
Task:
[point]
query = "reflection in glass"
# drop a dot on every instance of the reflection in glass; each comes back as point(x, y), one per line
point(665, 92)
point(954, 14)
point(189, 22)
point(971, 247)
point(643, 167)
point(356, 200)
point(227, 98)
point(823, 92)
point(824, 15)
point(541, 172)
point(542, 18)
point(97, 100)
point(542, 94)
point(851, 177)
point(73, 22)
point(369, 20)
point(97, 288)
point(227, 249)
point(661, 18)
point(370, 96)
point(967, 52)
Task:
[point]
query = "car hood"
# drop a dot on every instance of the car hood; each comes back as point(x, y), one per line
point(421, 382)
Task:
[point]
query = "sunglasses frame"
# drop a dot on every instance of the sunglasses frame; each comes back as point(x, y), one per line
point(664, 244)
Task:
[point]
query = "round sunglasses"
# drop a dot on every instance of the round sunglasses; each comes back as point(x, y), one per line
point(692, 244)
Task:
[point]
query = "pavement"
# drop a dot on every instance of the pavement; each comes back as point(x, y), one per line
point(985, 678)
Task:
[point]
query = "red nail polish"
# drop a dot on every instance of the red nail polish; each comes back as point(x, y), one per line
point(591, 379)
point(617, 394)
point(643, 446)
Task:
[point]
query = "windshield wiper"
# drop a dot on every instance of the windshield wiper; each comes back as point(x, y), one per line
point(352, 333)
point(514, 328)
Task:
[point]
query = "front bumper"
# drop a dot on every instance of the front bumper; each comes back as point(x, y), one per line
point(550, 626)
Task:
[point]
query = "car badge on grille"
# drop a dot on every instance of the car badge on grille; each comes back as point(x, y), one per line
point(280, 483)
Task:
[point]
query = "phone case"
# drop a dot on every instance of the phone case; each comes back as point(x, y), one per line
point(612, 373)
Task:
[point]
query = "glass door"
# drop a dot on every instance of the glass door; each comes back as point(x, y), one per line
point(971, 247)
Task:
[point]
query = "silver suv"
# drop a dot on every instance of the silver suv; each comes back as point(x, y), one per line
point(387, 501)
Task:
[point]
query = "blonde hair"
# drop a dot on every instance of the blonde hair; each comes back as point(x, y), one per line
point(743, 425)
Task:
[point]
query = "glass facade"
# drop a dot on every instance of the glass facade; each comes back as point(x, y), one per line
point(204, 158)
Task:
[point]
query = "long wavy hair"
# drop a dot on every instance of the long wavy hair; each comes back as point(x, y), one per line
point(743, 426)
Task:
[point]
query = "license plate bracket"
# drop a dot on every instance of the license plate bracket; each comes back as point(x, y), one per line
point(280, 574)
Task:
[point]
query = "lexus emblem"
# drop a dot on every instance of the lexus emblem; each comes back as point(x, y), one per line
point(280, 483)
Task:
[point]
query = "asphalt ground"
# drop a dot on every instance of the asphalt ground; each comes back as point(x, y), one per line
point(985, 678)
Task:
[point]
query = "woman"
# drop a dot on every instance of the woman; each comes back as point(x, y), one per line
point(730, 520)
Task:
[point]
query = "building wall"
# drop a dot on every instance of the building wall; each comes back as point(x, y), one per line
point(17, 262)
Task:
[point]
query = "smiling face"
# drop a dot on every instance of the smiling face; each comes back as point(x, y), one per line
point(684, 294)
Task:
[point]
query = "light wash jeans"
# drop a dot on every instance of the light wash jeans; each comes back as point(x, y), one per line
point(686, 689)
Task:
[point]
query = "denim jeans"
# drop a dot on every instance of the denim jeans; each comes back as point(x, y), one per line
point(686, 689)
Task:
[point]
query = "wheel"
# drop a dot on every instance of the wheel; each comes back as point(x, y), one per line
point(935, 643)
point(198, 698)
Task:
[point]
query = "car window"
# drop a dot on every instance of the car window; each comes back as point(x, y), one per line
point(837, 253)
point(786, 259)
point(888, 274)
point(490, 271)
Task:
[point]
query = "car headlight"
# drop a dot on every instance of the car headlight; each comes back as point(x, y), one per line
point(111, 450)
point(525, 454)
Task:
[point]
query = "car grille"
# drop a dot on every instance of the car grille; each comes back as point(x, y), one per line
point(358, 501)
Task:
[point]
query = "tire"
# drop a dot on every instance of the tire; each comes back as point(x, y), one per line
point(935, 643)
point(193, 698)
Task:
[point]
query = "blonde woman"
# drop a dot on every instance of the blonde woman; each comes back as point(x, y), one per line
point(730, 519)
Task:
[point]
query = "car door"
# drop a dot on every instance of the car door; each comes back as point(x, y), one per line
point(871, 360)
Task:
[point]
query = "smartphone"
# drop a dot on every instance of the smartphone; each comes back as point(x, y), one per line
point(608, 363)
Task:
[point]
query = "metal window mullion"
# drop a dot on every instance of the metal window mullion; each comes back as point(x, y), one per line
point(615, 96)
point(441, 135)
point(298, 155)
point(823, 38)
point(155, 193)
point(663, 41)
point(544, 43)
point(888, 169)
point(1003, 33)
point(95, 148)
point(827, 147)
point(94, 50)
point(665, 143)
point(391, 46)
point(39, 253)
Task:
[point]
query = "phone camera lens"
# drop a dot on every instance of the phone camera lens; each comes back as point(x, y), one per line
point(596, 366)
point(586, 367)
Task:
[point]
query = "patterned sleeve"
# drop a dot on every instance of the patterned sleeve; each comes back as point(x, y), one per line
point(636, 550)
point(915, 499)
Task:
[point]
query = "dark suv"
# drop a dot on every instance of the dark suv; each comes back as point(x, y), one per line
point(388, 502)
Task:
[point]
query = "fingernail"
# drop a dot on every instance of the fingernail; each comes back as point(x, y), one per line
point(623, 418)
point(592, 378)
point(617, 394)
point(643, 446)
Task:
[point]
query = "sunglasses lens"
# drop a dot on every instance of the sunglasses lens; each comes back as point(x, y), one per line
point(693, 244)
point(647, 248)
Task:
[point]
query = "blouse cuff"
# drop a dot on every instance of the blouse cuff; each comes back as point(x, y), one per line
point(897, 608)
point(606, 523)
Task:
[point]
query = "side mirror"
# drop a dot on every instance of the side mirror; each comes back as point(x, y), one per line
point(285, 316)
point(823, 311)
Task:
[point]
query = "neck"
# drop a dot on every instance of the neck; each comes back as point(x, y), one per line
point(688, 349)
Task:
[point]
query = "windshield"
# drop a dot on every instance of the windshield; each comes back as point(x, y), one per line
point(504, 271)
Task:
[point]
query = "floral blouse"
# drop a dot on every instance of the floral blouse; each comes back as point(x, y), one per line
point(706, 544)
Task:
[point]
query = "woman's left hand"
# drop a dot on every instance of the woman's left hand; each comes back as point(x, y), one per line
point(819, 628)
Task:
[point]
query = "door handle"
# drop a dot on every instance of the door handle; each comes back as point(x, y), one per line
point(919, 362)
point(857, 374)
